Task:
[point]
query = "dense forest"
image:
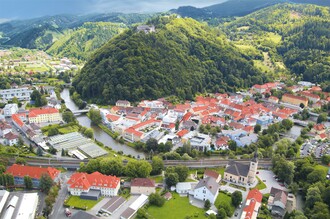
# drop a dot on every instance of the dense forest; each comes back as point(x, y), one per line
point(181, 58)
point(295, 37)
point(81, 42)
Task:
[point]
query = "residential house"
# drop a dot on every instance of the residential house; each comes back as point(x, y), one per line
point(90, 185)
point(146, 28)
point(294, 100)
point(264, 120)
point(252, 204)
point(273, 99)
point(207, 189)
point(183, 187)
point(242, 173)
point(44, 115)
point(123, 103)
point(277, 202)
point(213, 174)
point(143, 186)
point(197, 140)
point(4, 128)
point(11, 139)
point(19, 171)
point(311, 97)
point(10, 109)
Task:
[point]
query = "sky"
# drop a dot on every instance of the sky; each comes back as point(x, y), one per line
point(23, 9)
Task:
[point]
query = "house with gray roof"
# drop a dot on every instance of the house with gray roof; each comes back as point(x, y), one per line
point(277, 202)
point(207, 189)
point(241, 173)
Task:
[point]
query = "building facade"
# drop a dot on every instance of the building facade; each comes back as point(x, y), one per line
point(23, 93)
point(19, 171)
point(294, 100)
point(10, 109)
point(83, 182)
point(207, 189)
point(143, 186)
point(44, 115)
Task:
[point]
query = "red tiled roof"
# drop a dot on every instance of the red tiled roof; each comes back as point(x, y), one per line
point(273, 98)
point(16, 118)
point(319, 127)
point(36, 112)
point(112, 118)
point(255, 194)
point(143, 182)
point(182, 133)
point(295, 97)
point(249, 209)
point(186, 116)
point(11, 136)
point(211, 173)
point(142, 124)
point(85, 180)
point(308, 94)
point(134, 132)
point(34, 172)
point(323, 136)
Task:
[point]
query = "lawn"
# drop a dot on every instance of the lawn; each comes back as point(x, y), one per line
point(68, 129)
point(158, 179)
point(261, 185)
point(223, 198)
point(178, 208)
point(76, 201)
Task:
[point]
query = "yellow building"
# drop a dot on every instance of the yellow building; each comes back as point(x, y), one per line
point(44, 115)
point(294, 100)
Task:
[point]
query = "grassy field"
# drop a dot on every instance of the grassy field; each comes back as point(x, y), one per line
point(223, 198)
point(158, 179)
point(178, 208)
point(261, 185)
point(260, 65)
point(69, 129)
point(75, 201)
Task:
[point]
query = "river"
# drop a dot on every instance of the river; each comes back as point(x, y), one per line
point(99, 134)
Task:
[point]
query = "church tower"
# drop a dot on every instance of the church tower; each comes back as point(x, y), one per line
point(253, 167)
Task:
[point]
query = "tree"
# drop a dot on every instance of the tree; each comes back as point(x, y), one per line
point(294, 188)
point(207, 205)
point(313, 196)
point(151, 144)
point(171, 179)
point(62, 152)
point(142, 214)
point(89, 133)
point(20, 142)
point(287, 124)
point(285, 170)
point(182, 172)
point(39, 152)
point(323, 117)
point(2, 169)
point(9, 180)
point(221, 214)
point(45, 183)
point(92, 166)
point(68, 117)
point(139, 168)
point(236, 198)
point(232, 145)
point(31, 148)
point(20, 160)
point(315, 176)
point(95, 116)
point(28, 182)
point(325, 159)
point(111, 166)
point(257, 128)
point(320, 210)
point(156, 199)
point(157, 165)
point(53, 131)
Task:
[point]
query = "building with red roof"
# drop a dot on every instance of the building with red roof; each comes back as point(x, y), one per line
point(143, 186)
point(81, 183)
point(18, 119)
point(43, 115)
point(11, 139)
point(252, 205)
point(294, 100)
point(19, 171)
point(312, 97)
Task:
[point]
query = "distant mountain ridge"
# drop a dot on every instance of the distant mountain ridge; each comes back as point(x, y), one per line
point(236, 8)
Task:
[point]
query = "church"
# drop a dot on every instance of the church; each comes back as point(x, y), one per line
point(240, 173)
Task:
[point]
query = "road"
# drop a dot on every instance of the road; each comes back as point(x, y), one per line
point(58, 209)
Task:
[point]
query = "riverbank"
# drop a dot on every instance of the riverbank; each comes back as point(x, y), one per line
point(100, 134)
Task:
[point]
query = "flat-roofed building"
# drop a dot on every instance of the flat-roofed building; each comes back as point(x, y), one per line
point(22, 93)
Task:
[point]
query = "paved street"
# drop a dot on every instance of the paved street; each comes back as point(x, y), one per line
point(58, 209)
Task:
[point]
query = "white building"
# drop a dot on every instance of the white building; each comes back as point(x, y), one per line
point(207, 189)
point(28, 206)
point(4, 128)
point(21, 93)
point(10, 109)
point(11, 139)
point(197, 140)
point(183, 188)
point(82, 182)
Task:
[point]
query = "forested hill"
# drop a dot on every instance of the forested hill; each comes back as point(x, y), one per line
point(40, 33)
point(302, 33)
point(181, 58)
point(82, 42)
